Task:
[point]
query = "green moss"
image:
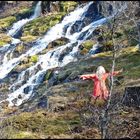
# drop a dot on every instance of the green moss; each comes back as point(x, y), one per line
point(28, 38)
point(41, 25)
point(58, 42)
point(34, 58)
point(48, 75)
point(4, 39)
point(24, 135)
point(20, 48)
point(6, 22)
point(25, 11)
point(108, 46)
point(87, 45)
point(68, 6)
point(40, 122)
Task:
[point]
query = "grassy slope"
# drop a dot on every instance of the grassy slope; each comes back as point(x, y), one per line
point(64, 122)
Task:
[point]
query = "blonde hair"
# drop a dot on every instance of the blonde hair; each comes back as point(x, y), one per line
point(100, 71)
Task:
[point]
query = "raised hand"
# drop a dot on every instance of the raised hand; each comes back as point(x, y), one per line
point(83, 77)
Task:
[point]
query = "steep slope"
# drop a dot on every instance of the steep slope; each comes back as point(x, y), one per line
point(41, 93)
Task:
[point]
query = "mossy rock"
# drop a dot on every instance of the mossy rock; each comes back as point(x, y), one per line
point(28, 38)
point(7, 22)
point(41, 25)
point(4, 39)
point(118, 34)
point(34, 58)
point(86, 46)
point(20, 48)
point(22, 67)
point(67, 6)
point(58, 42)
point(63, 75)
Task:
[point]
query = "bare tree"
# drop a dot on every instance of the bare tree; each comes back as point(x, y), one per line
point(123, 13)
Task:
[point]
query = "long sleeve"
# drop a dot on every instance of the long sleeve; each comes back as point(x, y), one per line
point(88, 76)
point(114, 73)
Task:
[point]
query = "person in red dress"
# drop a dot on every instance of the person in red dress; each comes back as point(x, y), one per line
point(100, 90)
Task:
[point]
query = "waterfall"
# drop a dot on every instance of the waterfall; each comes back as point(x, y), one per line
point(18, 25)
point(54, 33)
point(51, 58)
point(37, 11)
point(23, 89)
point(7, 66)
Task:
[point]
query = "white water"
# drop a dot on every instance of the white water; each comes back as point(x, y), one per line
point(51, 58)
point(53, 34)
point(18, 25)
point(7, 66)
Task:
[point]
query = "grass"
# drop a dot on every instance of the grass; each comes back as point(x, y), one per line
point(40, 122)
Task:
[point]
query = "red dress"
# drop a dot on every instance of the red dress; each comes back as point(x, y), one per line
point(100, 90)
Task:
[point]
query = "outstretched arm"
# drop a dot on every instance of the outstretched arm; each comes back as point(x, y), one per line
point(115, 72)
point(87, 76)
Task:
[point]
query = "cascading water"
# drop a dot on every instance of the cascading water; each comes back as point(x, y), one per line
point(16, 28)
point(7, 66)
point(22, 91)
point(18, 25)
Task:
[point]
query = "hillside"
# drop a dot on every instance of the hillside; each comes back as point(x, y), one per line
point(44, 49)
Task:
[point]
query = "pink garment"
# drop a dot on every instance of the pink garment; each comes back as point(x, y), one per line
point(99, 91)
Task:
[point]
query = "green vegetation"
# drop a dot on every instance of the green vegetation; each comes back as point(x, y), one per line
point(28, 38)
point(40, 26)
point(7, 22)
point(48, 75)
point(86, 46)
point(34, 58)
point(40, 123)
point(25, 12)
point(4, 39)
point(68, 6)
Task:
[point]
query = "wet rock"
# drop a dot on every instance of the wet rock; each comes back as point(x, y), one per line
point(53, 80)
point(59, 42)
point(43, 103)
point(92, 14)
point(14, 101)
point(27, 89)
point(64, 53)
point(13, 76)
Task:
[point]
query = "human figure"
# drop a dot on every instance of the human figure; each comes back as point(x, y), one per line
point(100, 90)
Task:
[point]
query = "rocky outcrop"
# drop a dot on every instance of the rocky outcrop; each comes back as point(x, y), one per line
point(93, 13)
point(57, 6)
